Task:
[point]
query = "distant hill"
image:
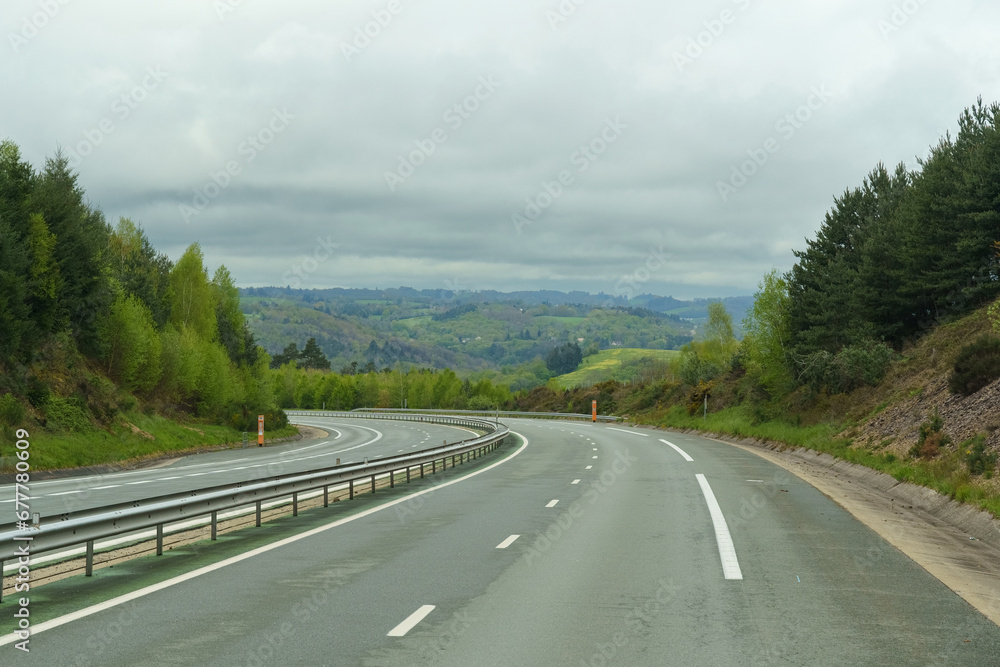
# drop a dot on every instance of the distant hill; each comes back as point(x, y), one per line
point(465, 330)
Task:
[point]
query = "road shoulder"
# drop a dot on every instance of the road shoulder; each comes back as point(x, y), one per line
point(958, 544)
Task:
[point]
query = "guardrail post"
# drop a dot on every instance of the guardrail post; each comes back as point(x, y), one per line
point(352, 490)
point(326, 496)
point(373, 483)
point(421, 471)
point(295, 504)
point(434, 467)
point(215, 525)
point(90, 558)
point(258, 513)
point(407, 474)
point(392, 479)
point(1, 581)
point(159, 539)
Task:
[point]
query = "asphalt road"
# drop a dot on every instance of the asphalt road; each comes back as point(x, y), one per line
point(349, 440)
point(580, 545)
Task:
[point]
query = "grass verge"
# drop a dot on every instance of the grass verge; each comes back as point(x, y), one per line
point(153, 436)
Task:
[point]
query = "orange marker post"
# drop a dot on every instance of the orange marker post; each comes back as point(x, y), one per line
point(593, 410)
point(260, 430)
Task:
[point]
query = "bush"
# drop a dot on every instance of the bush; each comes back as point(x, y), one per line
point(11, 410)
point(67, 415)
point(931, 438)
point(979, 461)
point(859, 365)
point(977, 365)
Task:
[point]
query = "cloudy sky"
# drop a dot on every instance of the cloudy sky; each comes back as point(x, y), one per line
point(677, 148)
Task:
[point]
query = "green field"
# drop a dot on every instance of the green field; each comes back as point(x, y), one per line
point(621, 364)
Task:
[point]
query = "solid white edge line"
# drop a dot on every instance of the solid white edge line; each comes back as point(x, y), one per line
point(612, 428)
point(679, 450)
point(727, 552)
point(509, 541)
point(411, 621)
point(142, 592)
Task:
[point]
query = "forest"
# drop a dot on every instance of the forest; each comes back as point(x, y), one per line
point(93, 318)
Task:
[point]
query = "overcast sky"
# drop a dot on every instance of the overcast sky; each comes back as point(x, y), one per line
point(677, 148)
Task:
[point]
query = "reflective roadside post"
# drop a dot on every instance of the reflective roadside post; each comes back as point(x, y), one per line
point(593, 410)
point(260, 430)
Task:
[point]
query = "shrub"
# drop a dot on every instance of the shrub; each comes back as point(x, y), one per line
point(931, 438)
point(977, 365)
point(11, 410)
point(696, 399)
point(855, 366)
point(67, 415)
point(976, 457)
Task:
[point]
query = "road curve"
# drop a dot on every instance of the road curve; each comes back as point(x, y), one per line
point(579, 544)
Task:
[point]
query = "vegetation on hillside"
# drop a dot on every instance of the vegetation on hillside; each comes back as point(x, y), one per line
point(96, 326)
point(853, 350)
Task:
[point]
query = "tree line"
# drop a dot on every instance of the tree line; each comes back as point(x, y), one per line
point(904, 251)
point(73, 285)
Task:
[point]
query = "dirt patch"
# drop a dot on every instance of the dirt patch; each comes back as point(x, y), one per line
point(963, 416)
point(958, 544)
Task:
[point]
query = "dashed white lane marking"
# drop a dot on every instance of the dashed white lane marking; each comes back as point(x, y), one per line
point(679, 450)
point(509, 541)
point(594, 457)
point(727, 552)
point(589, 467)
point(612, 428)
point(576, 481)
point(595, 449)
point(411, 621)
point(552, 503)
point(134, 595)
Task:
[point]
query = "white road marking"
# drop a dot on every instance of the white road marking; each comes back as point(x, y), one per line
point(679, 450)
point(611, 428)
point(143, 592)
point(576, 481)
point(414, 618)
point(509, 541)
point(727, 552)
point(589, 467)
point(595, 449)
point(552, 503)
point(594, 457)
point(141, 481)
point(110, 486)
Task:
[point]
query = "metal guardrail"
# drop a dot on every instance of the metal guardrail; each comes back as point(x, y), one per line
point(87, 526)
point(483, 413)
